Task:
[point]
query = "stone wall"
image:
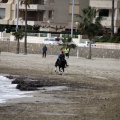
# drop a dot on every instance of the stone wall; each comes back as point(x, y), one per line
point(7, 46)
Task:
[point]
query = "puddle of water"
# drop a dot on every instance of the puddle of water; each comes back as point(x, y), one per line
point(43, 96)
point(53, 88)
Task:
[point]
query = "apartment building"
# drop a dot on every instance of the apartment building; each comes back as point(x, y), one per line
point(56, 13)
point(105, 10)
point(79, 5)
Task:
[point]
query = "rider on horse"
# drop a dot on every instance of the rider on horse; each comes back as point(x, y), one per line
point(61, 56)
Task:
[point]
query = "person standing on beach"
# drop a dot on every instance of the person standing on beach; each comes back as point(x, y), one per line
point(67, 50)
point(44, 49)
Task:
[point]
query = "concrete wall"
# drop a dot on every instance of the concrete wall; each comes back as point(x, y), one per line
point(7, 46)
point(35, 39)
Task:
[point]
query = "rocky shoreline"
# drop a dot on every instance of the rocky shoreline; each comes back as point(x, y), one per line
point(35, 83)
point(30, 84)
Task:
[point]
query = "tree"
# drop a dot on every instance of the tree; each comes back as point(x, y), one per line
point(67, 42)
point(90, 24)
point(26, 3)
point(18, 35)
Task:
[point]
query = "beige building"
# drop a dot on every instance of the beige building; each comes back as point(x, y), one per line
point(105, 7)
point(56, 13)
point(79, 5)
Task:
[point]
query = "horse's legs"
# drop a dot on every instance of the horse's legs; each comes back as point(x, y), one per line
point(60, 69)
point(55, 69)
point(63, 69)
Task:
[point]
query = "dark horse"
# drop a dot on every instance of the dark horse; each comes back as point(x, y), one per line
point(61, 64)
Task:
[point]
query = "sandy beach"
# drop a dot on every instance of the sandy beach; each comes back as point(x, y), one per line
point(88, 90)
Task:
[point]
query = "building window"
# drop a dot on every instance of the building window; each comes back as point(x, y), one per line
point(41, 2)
point(51, 2)
point(4, 1)
point(50, 15)
point(45, 1)
point(12, 14)
point(2, 13)
point(104, 12)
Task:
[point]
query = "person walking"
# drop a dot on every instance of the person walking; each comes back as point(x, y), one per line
point(44, 49)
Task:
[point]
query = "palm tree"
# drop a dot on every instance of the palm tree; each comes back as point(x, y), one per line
point(90, 24)
point(18, 35)
point(26, 3)
point(67, 42)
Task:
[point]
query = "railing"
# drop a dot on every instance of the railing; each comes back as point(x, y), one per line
point(33, 34)
point(108, 45)
point(5, 38)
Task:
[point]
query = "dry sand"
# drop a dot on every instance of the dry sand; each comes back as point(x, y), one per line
point(91, 89)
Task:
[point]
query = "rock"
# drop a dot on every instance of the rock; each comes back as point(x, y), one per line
point(19, 80)
point(25, 87)
point(25, 84)
point(9, 77)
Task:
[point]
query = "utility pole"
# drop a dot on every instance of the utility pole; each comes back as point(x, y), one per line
point(112, 20)
point(17, 15)
point(73, 2)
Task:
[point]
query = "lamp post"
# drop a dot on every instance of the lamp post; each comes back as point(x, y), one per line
point(17, 15)
point(21, 22)
point(76, 26)
point(72, 18)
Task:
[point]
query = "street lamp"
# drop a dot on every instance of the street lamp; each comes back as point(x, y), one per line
point(17, 15)
point(72, 18)
point(76, 25)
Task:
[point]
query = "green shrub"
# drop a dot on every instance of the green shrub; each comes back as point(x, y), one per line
point(117, 40)
point(114, 39)
point(104, 39)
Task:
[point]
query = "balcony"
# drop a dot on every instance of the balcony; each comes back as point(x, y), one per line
point(29, 22)
point(35, 7)
point(102, 4)
point(4, 1)
point(38, 15)
point(32, 7)
point(2, 5)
